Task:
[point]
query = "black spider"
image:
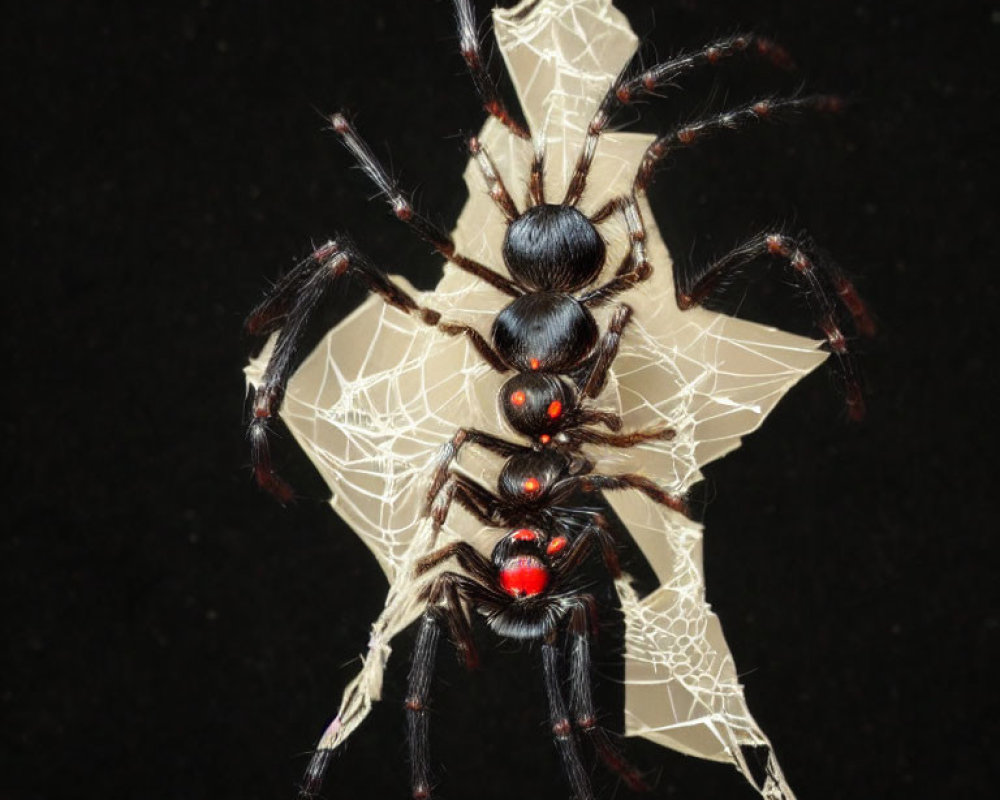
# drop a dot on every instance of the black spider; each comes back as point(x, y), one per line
point(548, 337)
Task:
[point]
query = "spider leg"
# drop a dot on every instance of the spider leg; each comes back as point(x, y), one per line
point(481, 503)
point(469, 559)
point(562, 730)
point(821, 278)
point(421, 672)
point(580, 548)
point(494, 183)
point(270, 314)
point(630, 439)
point(625, 89)
point(607, 350)
point(449, 452)
point(455, 590)
point(691, 132)
point(581, 699)
point(606, 541)
point(329, 263)
point(574, 556)
point(404, 211)
point(635, 268)
point(536, 177)
point(485, 85)
point(595, 416)
point(594, 483)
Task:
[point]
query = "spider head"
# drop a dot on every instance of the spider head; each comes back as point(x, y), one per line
point(553, 248)
point(527, 478)
point(538, 404)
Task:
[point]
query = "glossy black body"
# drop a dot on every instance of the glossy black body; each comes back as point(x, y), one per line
point(554, 248)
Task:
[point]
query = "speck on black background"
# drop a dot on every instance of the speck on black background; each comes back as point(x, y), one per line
point(170, 632)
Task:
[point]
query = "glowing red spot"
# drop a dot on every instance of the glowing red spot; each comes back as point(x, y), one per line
point(531, 485)
point(524, 577)
point(524, 535)
point(545, 438)
point(556, 545)
point(555, 409)
point(534, 362)
point(518, 398)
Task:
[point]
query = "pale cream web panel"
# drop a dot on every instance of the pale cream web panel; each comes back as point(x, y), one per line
point(374, 403)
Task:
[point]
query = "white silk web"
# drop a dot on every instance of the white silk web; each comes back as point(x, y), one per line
point(376, 400)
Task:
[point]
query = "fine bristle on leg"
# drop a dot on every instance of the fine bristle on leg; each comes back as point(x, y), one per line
point(468, 39)
point(825, 285)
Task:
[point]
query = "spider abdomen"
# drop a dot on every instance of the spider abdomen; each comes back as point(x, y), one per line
point(546, 332)
point(554, 248)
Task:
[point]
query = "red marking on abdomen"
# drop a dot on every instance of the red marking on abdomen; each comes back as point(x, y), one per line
point(524, 577)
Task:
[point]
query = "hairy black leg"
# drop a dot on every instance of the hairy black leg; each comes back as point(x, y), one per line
point(481, 503)
point(561, 728)
point(607, 350)
point(451, 450)
point(594, 483)
point(421, 672)
point(270, 314)
point(403, 209)
point(582, 702)
point(823, 281)
point(536, 178)
point(329, 263)
point(630, 439)
point(696, 131)
point(448, 588)
point(471, 560)
point(569, 561)
point(596, 529)
point(594, 416)
point(565, 566)
point(635, 268)
point(485, 85)
point(494, 183)
point(627, 88)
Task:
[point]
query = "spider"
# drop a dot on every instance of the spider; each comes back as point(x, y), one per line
point(548, 337)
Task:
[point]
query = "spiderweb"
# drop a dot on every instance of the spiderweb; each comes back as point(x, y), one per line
point(380, 395)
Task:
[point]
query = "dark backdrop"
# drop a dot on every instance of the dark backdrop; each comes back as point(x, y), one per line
point(171, 632)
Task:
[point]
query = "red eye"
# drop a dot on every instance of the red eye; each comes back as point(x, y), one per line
point(531, 485)
point(524, 535)
point(518, 398)
point(545, 438)
point(555, 409)
point(556, 545)
point(534, 362)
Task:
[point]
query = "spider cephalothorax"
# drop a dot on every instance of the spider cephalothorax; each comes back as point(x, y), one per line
point(554, 257)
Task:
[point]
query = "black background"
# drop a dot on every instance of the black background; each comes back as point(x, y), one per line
point(171, 632)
